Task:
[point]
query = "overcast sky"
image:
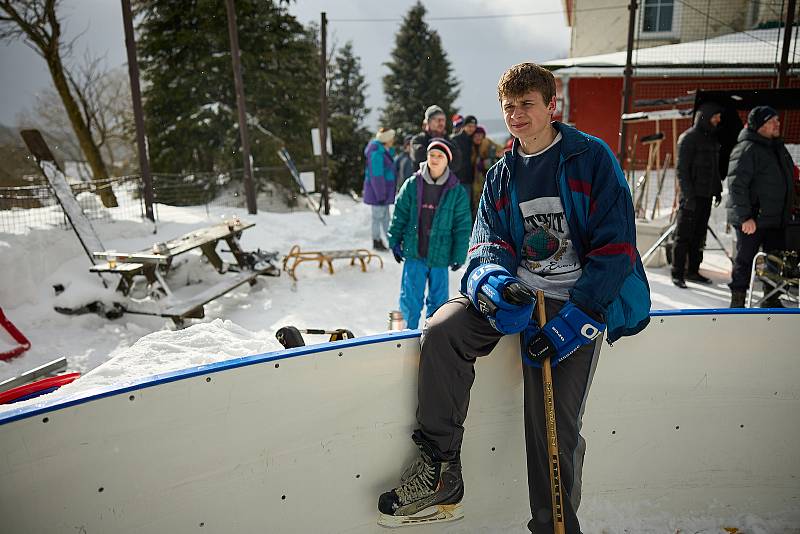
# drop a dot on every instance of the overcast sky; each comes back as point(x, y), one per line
point(479, 48)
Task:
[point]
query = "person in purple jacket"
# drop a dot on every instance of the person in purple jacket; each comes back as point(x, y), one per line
point(379, 183)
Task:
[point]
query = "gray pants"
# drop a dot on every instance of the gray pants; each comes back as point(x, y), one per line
point(454, 337)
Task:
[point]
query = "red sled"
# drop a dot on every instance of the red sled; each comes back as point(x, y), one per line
point(18, 336)
point(34, 389)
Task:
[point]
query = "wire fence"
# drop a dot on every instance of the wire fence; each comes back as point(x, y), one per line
point(685, 46)
point(34, 205)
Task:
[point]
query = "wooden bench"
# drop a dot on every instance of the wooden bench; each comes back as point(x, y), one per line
point(326, 257)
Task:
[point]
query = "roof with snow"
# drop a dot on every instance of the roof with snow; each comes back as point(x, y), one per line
point(749, 52)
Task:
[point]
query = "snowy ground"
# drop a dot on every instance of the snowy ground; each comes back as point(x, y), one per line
point(244, 321)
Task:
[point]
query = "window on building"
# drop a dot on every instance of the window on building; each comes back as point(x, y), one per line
point(657, 15)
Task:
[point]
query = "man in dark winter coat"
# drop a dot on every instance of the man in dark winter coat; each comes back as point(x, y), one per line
point(700, 180)
point(463, 141)
point(761, 194)
point(432, 127)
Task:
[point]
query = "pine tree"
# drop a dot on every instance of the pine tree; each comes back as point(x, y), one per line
point(419, 75)
point(190, 102)
point(346, 100)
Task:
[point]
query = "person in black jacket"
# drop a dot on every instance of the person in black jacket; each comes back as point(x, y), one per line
point(761, 194)
point(432, 127)
point(463, 140)
point(700, 181)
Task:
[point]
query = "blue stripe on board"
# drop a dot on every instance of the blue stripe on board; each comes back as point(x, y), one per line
point(64, 402)
point(151, 381)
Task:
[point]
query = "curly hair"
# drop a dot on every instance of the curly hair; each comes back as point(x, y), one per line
point(525, 77)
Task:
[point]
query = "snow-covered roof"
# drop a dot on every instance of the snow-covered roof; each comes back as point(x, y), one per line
point(748, 52)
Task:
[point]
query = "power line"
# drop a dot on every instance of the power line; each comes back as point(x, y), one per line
point(506, 16)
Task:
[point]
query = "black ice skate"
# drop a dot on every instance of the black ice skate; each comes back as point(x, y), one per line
point(430, 492)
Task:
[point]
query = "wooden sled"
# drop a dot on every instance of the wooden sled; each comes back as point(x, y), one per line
point(326, 257)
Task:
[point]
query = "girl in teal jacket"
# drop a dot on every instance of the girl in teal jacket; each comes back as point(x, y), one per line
point(430, 230)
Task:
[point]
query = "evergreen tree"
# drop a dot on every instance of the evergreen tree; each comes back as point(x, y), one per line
point(190, 101)
point(346, 100)
point(419, 74)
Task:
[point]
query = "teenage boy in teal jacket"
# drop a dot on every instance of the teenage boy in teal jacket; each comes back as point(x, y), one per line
point(555, 215)
point(430, 230)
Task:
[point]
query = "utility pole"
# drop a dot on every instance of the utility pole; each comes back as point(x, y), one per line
point(233, 34)
point(138, 115)
point(626, 84)
point(323, 112)
point(783, 68)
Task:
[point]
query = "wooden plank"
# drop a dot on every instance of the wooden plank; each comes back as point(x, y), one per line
point(122, 268)
point(63, 192)
point(132, 257)
point(202, 236)
point(217, 290)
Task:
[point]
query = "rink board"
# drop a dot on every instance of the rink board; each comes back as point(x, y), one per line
point(700, 409)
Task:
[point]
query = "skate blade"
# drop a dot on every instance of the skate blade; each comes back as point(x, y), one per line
point(438, 513)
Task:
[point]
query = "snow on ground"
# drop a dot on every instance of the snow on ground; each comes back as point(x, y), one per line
point(31, 264)
point(244, 321)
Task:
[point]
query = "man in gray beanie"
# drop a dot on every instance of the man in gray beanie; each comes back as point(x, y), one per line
point(433, 126)
point(760, 196)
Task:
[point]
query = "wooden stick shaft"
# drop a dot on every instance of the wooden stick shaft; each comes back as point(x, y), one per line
point(552, 437)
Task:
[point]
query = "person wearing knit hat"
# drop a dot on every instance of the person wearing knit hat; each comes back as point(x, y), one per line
point(403, 162)
point(457, 121)
point(760, 198)
point(759, 115)
point(483, 155)
point(379, 183)
point(429, 232)
point(433, 125)
point(463, 140)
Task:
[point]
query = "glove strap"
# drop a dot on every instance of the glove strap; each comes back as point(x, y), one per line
point(478, 276)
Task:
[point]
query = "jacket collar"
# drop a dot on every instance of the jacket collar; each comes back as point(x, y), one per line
point(573, 142)
point(749, 135)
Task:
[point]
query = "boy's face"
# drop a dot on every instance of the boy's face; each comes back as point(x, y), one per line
point(527, 116)
point(437, 162)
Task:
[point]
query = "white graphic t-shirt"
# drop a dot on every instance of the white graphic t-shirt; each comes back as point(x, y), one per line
point(549, 261)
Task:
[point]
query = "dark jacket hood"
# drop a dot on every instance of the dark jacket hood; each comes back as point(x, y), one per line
point(704, 113)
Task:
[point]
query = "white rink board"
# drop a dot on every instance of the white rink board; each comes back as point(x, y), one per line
point(694, 410)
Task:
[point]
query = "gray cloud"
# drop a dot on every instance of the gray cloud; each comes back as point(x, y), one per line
point(479, 49)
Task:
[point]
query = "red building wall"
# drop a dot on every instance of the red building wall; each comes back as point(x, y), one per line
point(595, 106)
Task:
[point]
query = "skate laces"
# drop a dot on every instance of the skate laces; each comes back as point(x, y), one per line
point(420, 485)
point(412, 470)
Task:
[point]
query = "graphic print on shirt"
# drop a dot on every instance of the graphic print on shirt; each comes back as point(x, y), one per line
point(547, 249)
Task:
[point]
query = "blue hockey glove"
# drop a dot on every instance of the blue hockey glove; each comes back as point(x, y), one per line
point(503, 299)
point(397, 251)
point(561, 336)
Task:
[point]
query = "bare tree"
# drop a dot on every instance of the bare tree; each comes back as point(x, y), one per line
point(36, 22)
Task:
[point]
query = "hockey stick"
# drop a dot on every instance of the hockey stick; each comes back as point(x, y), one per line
point(550, 421)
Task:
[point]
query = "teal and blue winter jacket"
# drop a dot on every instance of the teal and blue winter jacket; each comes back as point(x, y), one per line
point(599, 211)
point(451, 223)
